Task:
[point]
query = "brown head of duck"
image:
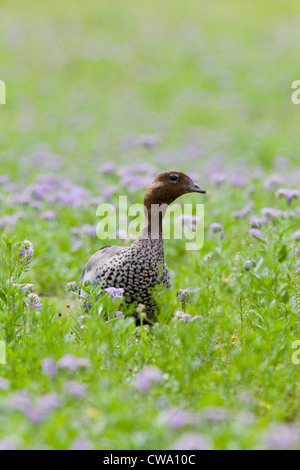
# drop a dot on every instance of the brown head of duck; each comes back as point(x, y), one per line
point(165, 189)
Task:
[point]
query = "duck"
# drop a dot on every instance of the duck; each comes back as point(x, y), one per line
point(139, 267)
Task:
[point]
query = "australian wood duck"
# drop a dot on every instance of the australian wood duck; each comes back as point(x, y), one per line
point(139, 267)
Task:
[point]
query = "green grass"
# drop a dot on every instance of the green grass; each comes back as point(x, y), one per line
point(213, 81)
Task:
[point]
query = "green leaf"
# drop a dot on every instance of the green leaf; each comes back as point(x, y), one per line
point(3, 296)
point(282, 254)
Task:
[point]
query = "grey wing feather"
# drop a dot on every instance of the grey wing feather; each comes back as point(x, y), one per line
point(89, 272)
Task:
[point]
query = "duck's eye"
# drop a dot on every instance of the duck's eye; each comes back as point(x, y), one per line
point(173, 178)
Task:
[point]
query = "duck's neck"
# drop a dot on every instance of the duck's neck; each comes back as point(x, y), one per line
point(153, 229)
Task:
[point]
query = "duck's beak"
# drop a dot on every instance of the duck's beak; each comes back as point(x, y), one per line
point(194, 188)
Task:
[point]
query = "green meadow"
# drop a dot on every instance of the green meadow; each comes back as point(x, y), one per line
point(100, 98)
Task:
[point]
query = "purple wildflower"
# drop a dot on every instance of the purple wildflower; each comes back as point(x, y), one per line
point(4, 384)
point(192, 441)
point(83, 363)
point(245, 417)
point(85, 229)
point(194, 317)
point(289, 214)
point(177, 418)
point(115, 292)
point(68, 362)
point(218, 179)
point(108, 192)
point(145, 167)
point(36, 205)
point(108, 168)
point(146, 377)
point(33, 302)
point(243, 212)
point(40, 191)
point(148, 141)
point(36, 415)
point(9, 220)
point(216, 413)
point(77, 244)
point(257, 222)
point(26, 250)
point(216, 227)
point(4, 179)
point(272, 182)
point(10, 443)
point(296, 235)
point(73, 195)
point(186, 317)
point(49, 215)
point(72, 286)
point(49, 367)
point(134, 183)
point(81, 444)
point(182, 316)
point(282, 163)
point(288, 194)
point(26, 288)
point(23, 199)
point(238, 181)
point(120, 314)
point(86, 304)
point(43, 157)
point(95, 201)
point(73, 363)
point(282, 437)
point(271, 213)
point(20, 401)
point(184, 294)
point(256, 233)
point(49, 402)
point(75, 388)
point(46, 404)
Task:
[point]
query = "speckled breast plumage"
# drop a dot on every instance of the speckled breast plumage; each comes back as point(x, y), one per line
point(137, 268)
